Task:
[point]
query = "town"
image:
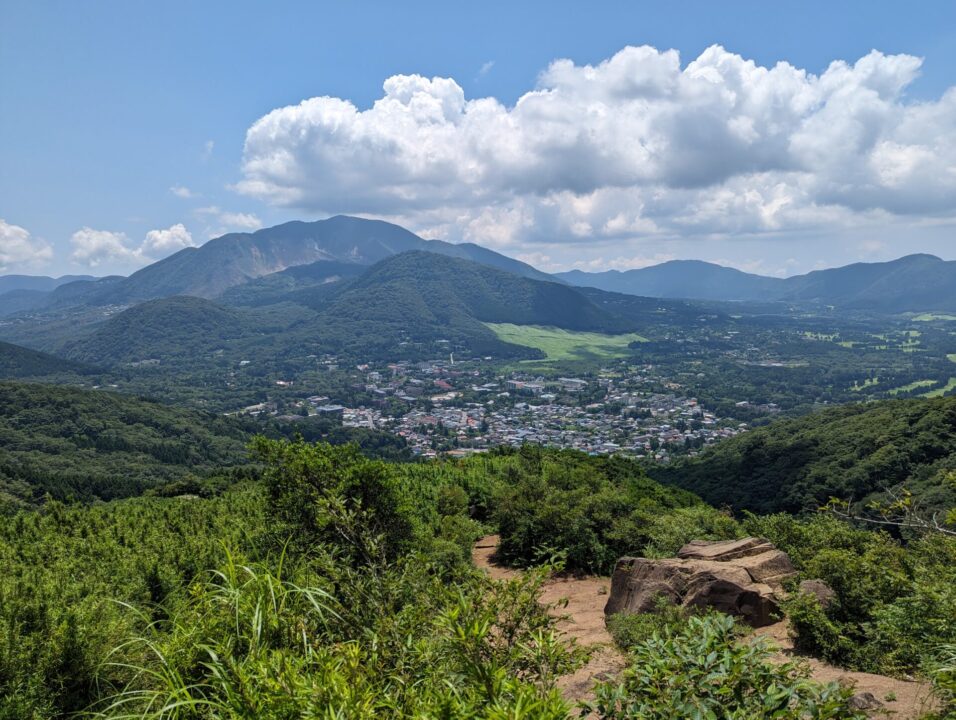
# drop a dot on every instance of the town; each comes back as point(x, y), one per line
point(440, 407)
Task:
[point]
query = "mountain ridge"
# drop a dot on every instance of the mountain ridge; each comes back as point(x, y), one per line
point(911, 283)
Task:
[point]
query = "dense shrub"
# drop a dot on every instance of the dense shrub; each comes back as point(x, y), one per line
point(593, 511)
point(894, 604)
point(702, 670)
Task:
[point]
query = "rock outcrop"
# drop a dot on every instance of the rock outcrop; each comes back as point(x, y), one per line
point(738, 577)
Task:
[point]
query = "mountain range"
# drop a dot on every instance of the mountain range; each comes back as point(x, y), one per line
point(357, 286)
point(909, 284)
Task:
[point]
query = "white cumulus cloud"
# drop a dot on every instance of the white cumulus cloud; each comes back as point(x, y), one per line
point(115, 251)
point(637, 146)
point(19, 249)
point(159, 243)
point(182, 191)
point(223, 221)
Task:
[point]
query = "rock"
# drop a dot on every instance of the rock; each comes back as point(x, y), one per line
point(723, 550)
point(739, 577)
point(820, 590)
point(865, 701)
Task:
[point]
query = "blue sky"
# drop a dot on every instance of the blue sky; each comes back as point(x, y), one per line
point(110, 105)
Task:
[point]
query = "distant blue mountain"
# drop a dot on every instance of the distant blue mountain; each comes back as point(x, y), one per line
point(909, 284)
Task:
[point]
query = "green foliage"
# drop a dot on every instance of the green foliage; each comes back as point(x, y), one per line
point(66, 568)
point(631, 629)
point(894, 603)
point(593, 510)
point(83, 444)
point(851, 452)
point(334, 496)
point(20, 362)
point(702, 670)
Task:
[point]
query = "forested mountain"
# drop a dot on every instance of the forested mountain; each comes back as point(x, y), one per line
point(420, 297)
point(908, 284)
point(25, 292)
point(911, 283)
point(851, 452)
point(21, 362)
point(159, 329)
point(407, 305)
point(86, 444)
point(39, 283)
point(680, 279)
point(230, 260)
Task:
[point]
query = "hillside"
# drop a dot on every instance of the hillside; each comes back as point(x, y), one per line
point(420, 297)
point(911, 283)
point(850, 452)
point(167, 328)
point(304, 284)
point(21, 362)
point(87, 444)
point(908, 284)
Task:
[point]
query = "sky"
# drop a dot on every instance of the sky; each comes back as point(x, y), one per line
point(773, 137)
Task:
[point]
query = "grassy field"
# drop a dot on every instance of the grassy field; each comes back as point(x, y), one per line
point(939, 392)
point(560, 344)
point(911, 386)
point(929, 317)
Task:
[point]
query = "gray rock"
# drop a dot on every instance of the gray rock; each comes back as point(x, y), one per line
point(820, 590)
point(740, 577)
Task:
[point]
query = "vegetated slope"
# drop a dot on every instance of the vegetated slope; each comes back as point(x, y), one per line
point(167, 328)
point(86, 444)
point(850, 452)
point(907, 284)
point(21, 362)
point(911, 283)
point(421, 297)
point(304, 284)
point(680, 279)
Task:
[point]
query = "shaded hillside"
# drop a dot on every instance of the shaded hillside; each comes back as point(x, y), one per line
point(171, 327)
point(850, 452)
point(421, 297)
point(302, 284)
point(21, 362)
point(87, 444)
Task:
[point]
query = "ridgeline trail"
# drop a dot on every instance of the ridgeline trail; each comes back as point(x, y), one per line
point(582, 620)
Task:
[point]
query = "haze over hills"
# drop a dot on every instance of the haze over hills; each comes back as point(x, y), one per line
point(912, 283)
point(40, 283)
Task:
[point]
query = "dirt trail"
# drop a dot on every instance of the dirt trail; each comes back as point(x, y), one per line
point(584, 621)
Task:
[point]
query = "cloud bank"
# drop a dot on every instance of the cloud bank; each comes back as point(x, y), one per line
point(636, 147)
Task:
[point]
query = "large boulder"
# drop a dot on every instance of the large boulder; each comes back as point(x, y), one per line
point(738, 577)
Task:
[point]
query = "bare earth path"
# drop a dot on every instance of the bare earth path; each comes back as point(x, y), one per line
point(584, 622)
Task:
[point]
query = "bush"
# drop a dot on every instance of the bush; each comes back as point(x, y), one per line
point(702, 670)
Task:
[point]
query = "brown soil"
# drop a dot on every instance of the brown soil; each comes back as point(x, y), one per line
point(583, 620)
